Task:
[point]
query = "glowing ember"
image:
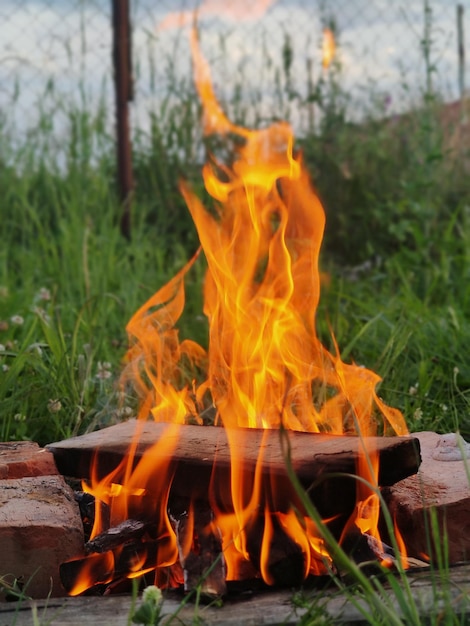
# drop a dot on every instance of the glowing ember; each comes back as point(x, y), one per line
point(264, 366)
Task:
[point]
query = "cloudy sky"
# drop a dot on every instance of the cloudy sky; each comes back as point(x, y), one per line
point(65, 46)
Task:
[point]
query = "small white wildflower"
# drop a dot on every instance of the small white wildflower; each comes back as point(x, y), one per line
point(444, 407)
point(54, 406)
point(124, 412)
point(44, 294)
point(5, 367)
point(152, 594)
point(36, 347)
point(418, 414)
point(40, 312)
point(103, 370)
point(19, 417)
point(413, 390)
point(2, 347)
point(456, 370)
point(17, 320)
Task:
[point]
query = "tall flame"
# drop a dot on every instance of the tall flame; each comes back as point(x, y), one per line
point(265, 365)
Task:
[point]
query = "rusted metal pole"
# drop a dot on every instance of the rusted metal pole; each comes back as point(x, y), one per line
point(461, 50)
point(124, 94)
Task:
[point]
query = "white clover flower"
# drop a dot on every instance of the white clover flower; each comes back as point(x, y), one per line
point(124, 412)
point(104, 370)
point(17, 320)
point(5, 367)
point(152, 594)
point(413, 390)
point(418, 414)
point(36, 347)
point(40, 312)
point(54, 406)
point(44, 294)
point(2, 347)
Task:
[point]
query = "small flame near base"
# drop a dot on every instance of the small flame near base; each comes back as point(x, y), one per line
point(265, 366)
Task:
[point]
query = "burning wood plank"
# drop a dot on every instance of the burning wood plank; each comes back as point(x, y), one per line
point(123, 533)
point(200, 448)
point(325, 464)
point(201, 456)
point(199, 548)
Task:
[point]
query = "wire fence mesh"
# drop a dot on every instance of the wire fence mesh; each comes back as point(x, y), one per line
point(265, 55)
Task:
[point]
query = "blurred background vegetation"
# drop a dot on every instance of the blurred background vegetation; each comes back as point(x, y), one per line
point(396, 248)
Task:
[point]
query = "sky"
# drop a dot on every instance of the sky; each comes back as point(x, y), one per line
point(63, 48)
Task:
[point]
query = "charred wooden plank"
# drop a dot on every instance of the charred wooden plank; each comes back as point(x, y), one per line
point(86, 503)
point(195, 457)
point(123, 533)
point(105, 567)
point(199, 548)
point(285, 564)
point(192, 446)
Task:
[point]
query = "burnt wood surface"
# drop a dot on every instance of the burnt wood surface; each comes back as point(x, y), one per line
point(113, 537)
point(198, 456)
point(200, 549)
point(312, 454)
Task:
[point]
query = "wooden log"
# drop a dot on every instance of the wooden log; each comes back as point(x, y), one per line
point(197, 457)
point(125, 532)
point(285, 565)
point(199, 549)
point(312, 453)
point(108, 566)
point(86, 503)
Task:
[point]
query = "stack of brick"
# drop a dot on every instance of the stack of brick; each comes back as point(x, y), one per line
point(40, 523)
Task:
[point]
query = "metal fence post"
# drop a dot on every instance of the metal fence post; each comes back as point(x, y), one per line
point(124, 94)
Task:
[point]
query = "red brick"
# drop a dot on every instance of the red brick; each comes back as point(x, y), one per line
point(439, 485)
point(40, 527)
point(25, 458)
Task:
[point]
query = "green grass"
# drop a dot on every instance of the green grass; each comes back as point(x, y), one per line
point(396, 302)
point(396, 247)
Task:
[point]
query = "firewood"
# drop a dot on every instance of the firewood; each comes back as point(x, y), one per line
point(200, 549)
point(86, 503)
point(125, 532)
point(285, 563)
point(108, 566)
point(325, 464)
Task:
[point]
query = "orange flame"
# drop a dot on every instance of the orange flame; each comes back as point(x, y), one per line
point(328, 48)
point(265, 365)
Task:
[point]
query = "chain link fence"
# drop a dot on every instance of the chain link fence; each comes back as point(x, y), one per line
point(266, 54)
